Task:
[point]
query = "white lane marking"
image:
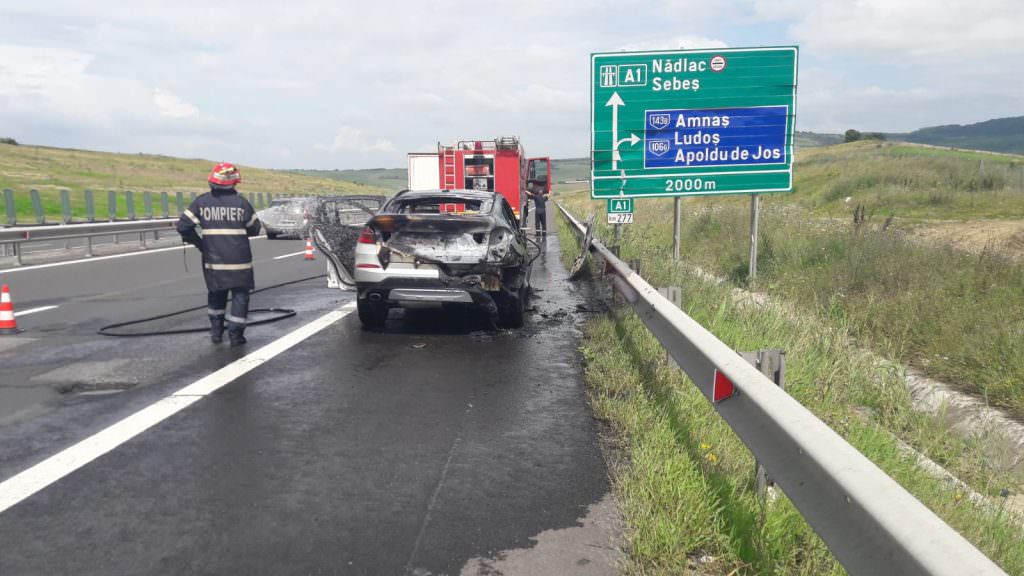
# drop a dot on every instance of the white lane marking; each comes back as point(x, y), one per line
point(28, 482)
point(98, 258)
point(34, 310)
point(289, 255)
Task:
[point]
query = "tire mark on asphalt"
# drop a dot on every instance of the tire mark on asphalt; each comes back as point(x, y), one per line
point(432, 505)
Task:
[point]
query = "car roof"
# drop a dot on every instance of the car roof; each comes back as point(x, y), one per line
point(466, 194)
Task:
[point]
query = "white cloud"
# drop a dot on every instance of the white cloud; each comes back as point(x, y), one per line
point(919, 29)
point(676, 43)
point(171, 106)
point(543, 99)
point(350, 139)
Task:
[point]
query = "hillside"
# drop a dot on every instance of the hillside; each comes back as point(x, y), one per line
point(49, 169)
point(814, 139)
point(998, 135)
point(568, 169)
point(909, 181)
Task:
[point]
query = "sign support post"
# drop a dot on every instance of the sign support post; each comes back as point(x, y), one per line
point(754, 208)
point(677, 215)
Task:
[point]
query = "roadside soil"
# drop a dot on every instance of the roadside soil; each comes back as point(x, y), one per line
point(1005, 237)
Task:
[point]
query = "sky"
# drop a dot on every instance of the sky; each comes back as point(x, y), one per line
point(357, 84)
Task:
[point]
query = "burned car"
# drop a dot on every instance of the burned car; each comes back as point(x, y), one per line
point(436, 248)
point(287, 216)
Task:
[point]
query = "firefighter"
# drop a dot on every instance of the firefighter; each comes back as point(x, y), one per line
point(219, 224)
point(540, 199)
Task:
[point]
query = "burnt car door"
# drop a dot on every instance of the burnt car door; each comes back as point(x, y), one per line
point(336, 224)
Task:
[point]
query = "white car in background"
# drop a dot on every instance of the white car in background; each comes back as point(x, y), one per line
point(287, 216)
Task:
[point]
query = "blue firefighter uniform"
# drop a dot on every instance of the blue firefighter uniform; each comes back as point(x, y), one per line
point(220, 223)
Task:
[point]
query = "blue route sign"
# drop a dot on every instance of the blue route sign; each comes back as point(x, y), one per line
point(716, 137)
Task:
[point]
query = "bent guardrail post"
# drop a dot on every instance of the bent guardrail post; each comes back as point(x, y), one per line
point(90, 206)
point(37, 206)
point(65, 206)
point(129, 202)
point(12, 211)
point(868, 520)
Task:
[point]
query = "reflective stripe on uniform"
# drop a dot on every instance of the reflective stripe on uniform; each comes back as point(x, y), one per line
point(211, 266)
point(188, 213)
point(224, 232)
point(213, 312)
point(235, 319)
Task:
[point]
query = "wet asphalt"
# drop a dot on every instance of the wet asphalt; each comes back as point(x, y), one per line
point(416, 450)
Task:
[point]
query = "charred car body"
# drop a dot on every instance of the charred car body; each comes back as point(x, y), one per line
point(287, 216)
point(440, 248)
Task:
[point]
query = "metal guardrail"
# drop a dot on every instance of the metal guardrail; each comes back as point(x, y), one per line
point(867, 519)
point(17, 236)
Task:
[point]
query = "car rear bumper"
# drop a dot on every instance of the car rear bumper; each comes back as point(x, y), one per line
point(451, 295)
point(412, 291)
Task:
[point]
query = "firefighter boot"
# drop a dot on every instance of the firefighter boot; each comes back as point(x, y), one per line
point(216, 329)
point(236, 337)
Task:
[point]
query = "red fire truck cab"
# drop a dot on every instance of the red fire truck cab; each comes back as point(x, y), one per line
point(498, 165)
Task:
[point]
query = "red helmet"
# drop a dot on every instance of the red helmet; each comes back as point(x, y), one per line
point(225, 174)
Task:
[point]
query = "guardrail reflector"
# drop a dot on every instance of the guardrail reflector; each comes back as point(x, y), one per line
point(722, 388)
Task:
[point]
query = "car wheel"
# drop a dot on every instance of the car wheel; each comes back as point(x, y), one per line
point(271, 235)
point(512, 309)
point(373, 315)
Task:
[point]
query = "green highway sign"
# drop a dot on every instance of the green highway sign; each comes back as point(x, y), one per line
point(620, 205)
point(692, 122)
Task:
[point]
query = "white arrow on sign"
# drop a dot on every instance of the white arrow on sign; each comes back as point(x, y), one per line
point(615, 101)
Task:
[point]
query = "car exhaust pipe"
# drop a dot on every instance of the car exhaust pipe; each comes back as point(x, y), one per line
point(374, 297)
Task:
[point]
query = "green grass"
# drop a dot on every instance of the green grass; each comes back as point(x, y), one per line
point(956, 316)
point(687, 491)
point(393, 179)
point(909, 181)
point(48, 170)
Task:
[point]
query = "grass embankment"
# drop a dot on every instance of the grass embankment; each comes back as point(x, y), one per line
point(958, 317)
point(48, 170)
point(687, 491)
point(909, 182)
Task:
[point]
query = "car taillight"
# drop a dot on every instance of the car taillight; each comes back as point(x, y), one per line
point(368, 236)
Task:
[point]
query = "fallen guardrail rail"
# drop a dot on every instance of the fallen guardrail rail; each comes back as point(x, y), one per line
point(868, 520)
point(17, 236)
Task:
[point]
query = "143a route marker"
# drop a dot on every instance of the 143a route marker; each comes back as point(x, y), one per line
point(693, 122)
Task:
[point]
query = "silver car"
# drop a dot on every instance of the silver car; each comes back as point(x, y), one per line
point(287, 216)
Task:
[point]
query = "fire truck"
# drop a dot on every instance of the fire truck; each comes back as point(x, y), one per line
point(498, 165)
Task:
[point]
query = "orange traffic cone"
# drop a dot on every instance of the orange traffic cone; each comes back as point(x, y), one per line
point(8, 325)
point(309, 249)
